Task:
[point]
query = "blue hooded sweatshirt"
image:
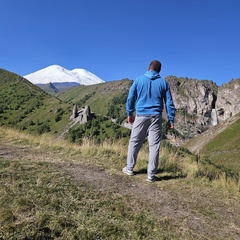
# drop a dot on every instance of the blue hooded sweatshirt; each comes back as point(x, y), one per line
point(148, 94)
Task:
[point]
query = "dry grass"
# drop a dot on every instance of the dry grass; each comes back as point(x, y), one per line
point(38, 200)
point(171, 162)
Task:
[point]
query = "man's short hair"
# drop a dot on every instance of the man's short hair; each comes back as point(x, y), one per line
point(155, 65)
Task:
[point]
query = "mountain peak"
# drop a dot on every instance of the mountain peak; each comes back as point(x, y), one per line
point(57, 73)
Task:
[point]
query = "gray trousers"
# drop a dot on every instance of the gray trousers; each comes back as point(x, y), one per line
point(143, 126)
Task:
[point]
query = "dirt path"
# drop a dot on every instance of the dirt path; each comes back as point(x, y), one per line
point(201, 211)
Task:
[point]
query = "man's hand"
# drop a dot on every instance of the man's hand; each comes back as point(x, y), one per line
point(131, 119)
point(170, 126)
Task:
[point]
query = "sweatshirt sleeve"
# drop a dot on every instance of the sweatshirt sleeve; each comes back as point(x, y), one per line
point(130, 104)
point(170, 108)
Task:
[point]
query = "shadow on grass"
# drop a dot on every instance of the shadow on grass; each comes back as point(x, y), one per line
point(162, 178)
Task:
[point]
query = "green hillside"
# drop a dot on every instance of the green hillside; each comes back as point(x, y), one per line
point(26, 107)
point(98, 96)
point(220, 144)
point(224, 149)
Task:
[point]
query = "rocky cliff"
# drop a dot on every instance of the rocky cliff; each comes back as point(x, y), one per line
point(201, 103)
point(228, 100)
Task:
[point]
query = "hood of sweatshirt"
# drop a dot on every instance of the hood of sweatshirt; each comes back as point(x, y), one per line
point(152, 74)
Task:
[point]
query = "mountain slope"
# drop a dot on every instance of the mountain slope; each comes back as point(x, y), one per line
point(194, 100)
point(56, 87)
point(220, 144)
point(49, 88)
point(98, 96)
point(56, 73)
point(25, 106)
point(228, 101)
point(197, 143)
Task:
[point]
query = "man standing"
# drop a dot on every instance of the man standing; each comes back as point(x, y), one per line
point(147, 95)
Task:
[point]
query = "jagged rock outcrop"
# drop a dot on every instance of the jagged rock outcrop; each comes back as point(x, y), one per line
point(201, 103)
point(194, 101)
point(75, 112)
point(228, 100)
point(83, 115)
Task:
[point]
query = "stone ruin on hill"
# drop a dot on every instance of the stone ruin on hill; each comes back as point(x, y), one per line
point(83, 115)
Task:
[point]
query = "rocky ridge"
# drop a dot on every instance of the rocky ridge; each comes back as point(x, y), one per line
point(228, 101)
point(201, 103)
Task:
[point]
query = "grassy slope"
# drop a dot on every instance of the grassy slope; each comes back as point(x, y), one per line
point(101, 94)
point(224, 149)
point(220, 144)
point(25, 106)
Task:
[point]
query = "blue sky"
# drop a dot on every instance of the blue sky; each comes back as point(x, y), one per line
point(113, 39)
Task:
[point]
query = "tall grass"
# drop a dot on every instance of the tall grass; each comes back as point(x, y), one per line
point(39, 201)
point(112, 155)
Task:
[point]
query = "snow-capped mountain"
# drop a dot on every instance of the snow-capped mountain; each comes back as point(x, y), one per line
point(56, 73)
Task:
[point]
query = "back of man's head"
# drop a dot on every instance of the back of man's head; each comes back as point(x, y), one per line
point(155, 65)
